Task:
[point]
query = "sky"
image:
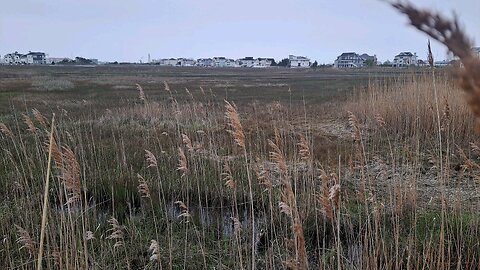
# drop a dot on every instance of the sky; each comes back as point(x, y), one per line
point(129, 30)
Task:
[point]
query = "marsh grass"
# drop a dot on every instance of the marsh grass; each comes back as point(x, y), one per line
point(249, 192)
point(185, 180)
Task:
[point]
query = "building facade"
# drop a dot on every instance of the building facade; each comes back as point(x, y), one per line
point(205, 62)
point(31, 58)
point(298, 61)
point(246, 62)
point(349, 60)
point(36, 58)
point(185, 62)
point(405, 59)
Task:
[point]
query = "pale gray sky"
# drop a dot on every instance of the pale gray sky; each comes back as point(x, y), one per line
point(127, 30)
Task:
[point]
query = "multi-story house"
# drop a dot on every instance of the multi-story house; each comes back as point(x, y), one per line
point(298, 61)
point(32, 58)
point(223, 62)
point(354, 60)
point(167, 62)
point(35, 58)
point(246, 62)
point(349, 60)
point(264, 62)
point(405, 59)
point(13, 58)
point(185, 62)
point(205, 62)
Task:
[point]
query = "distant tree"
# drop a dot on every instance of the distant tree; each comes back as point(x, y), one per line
point(83, 61)
point(369, 63)
point(273, 63)
point(314, 65)
point(66, 61)
point(284, 62)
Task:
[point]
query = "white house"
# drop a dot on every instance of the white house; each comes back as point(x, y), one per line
point(185, 62)
point(13, 58)
point(405, 59)
point(36, 58)
point(205, 62)
point(167, 62)
point(263, 62)
point(354, 60)
point(32, 58)
point(223, 62)
point(230, 63)
point(246, 62)
point(298, 61)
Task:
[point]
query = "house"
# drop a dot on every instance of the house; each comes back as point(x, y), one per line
point(354, 60)
point(370, 60)
point(263, 62)
point(166, 62)
point(246, 62)
point(32, 58)
point(298, 61)
point(13, 58)
point(36, 58)
point(405, 59)
point(223, 62)
point(205, 62)
point(230, 63)
point(185, 62)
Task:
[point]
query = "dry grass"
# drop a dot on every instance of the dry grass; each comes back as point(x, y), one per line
point(407, 108)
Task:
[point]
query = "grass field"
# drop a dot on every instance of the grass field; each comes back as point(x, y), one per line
point(191, 168)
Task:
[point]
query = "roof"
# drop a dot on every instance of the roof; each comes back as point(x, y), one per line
point(348, 54)
point(405, 54)
point(35, 53)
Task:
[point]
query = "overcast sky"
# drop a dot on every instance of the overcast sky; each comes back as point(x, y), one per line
point(127, 30)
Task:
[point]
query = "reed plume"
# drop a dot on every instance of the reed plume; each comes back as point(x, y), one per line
point(304, 149)
point(143, 188)
point(188, 143)
point(25, 240)
point(116, 232)
point(182, 162)
point(154, 249)
point(71, 175)
point(151, 159)
point(227, 176)
point(276, 155)
point(233, 121)
point(30, 126)
point(6, 131)
point(141, 93)
point(325, 197)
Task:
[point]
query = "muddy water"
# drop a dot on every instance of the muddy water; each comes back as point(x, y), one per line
point(220, 217)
